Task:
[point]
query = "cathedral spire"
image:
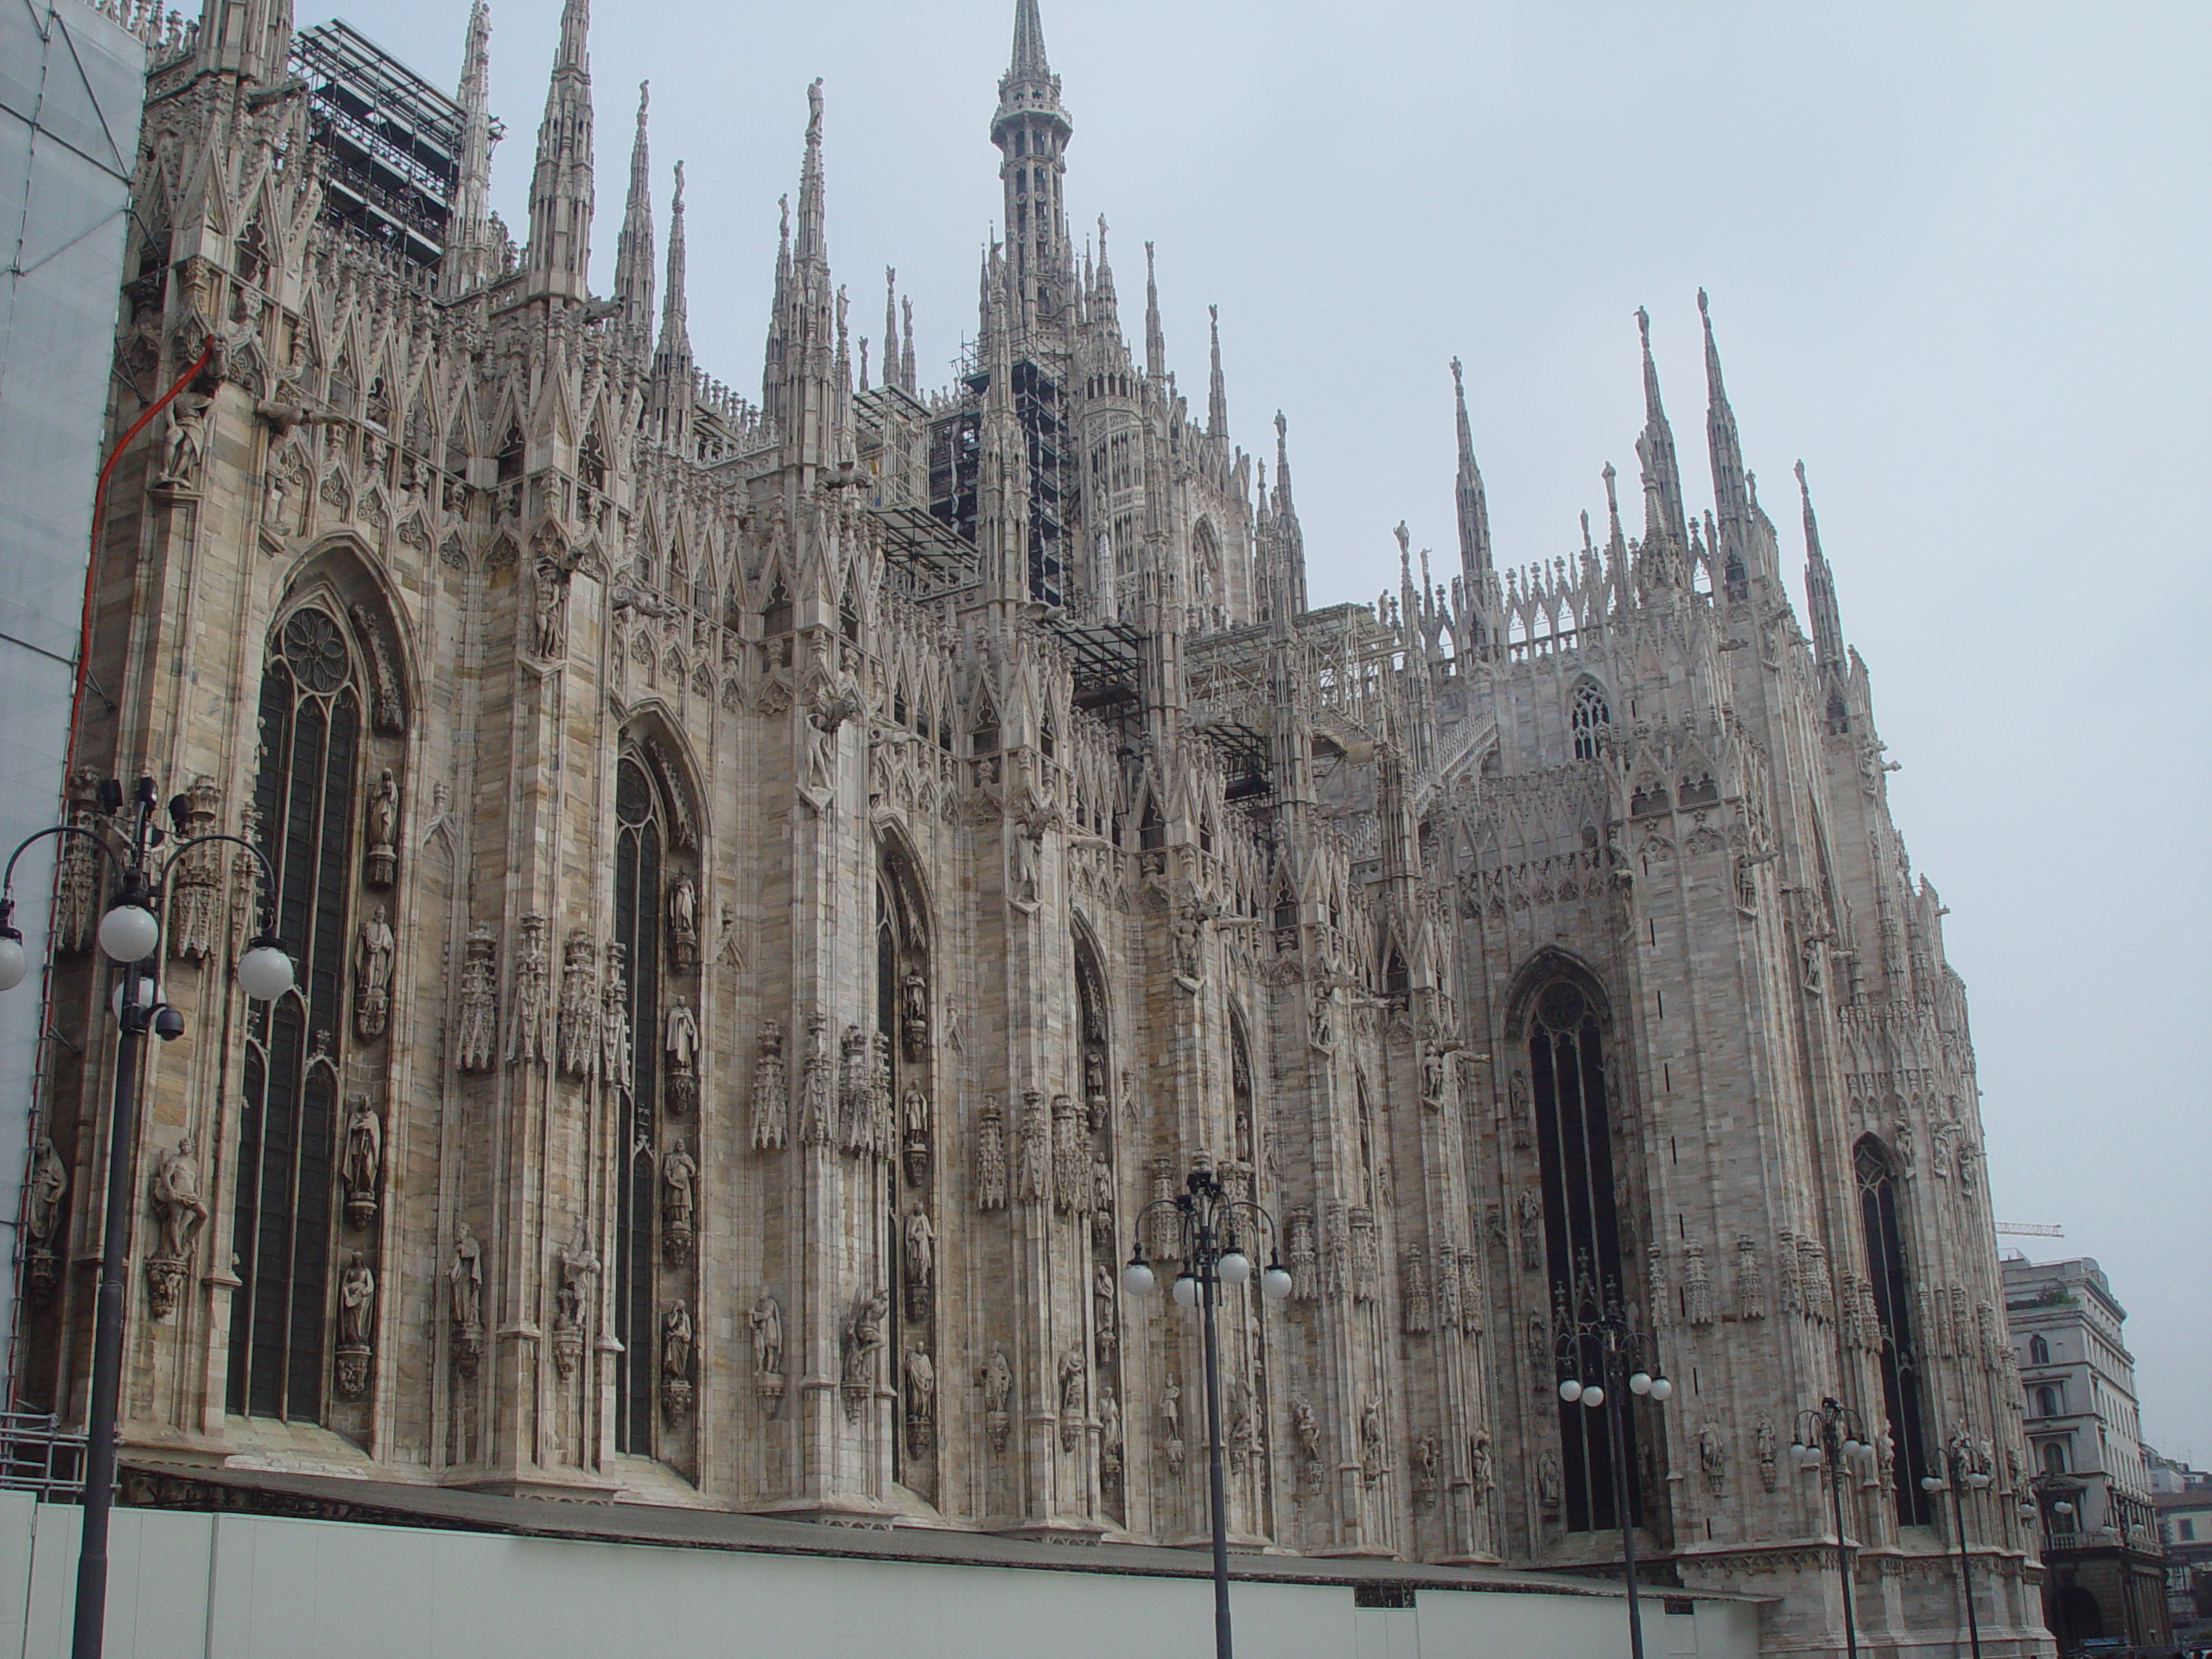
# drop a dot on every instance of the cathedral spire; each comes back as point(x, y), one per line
point(1663, 480)
point(907, 345)
point(1730, 493)
point(1155, 338)
point(1820, 590)
point(891, 375)
point(633, 246)
point(1216, 388)
point(1290, 539)
point(559, 257)
point(772, 368)
point(1467, 491)
point(1031, 130)
point(252, 39)
point(674, 314)
point(471, 260)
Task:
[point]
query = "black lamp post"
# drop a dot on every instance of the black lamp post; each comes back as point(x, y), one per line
point(1962, 1468)
point(1600, 1343)
point(1832, 1438)
point(2051, 1498)
point(130, 936)
point(1213, 1227)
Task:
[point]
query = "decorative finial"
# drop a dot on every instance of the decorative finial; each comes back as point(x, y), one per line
point(814, 109)
point(677, 205)
point(1644, 325)
point(1459, 378)
point(1703, 310)
point(783, 206)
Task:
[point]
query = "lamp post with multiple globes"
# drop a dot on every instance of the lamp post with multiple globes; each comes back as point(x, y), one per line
point(1214, 1227)
point(1832, 1438)
point(1600, 1353)
point(1961, 1473)
point(130, 935)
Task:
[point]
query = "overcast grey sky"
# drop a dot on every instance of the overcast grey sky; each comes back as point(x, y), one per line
point(1958, 259)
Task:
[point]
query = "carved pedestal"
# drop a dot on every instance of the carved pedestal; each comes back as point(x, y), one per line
point(164, 1283)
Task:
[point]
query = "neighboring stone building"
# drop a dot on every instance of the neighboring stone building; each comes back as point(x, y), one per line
point(2182, 1496)
point(2105, 1570)
point(779, 886)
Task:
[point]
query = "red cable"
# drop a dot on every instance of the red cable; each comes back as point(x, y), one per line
point(92, 565)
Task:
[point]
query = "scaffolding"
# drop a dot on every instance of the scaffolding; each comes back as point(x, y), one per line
point(390, 142)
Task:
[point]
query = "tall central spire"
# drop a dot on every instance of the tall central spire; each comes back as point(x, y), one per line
point(1662, 472)
point(633, 247)
point(1031, 130)
point(471, 260)
point(1467, 491)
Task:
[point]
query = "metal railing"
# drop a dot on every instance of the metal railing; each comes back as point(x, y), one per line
point(36, 1457)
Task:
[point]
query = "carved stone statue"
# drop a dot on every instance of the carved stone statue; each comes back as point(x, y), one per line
point(357, 1290)
point(185, 442)
point(1549, 1489)
point(465, 1283)
point(921, 1403)
point(1109, 1435)
point(1531, 1209)
point(177, 1204)
point(48, 1185)
point(767, 1321)
point(683, 924)
point(920, 1261)
point(361, 1169)
point(1072, 1371)
point(864, 1339)
point(373, 953)
point(676, 1340)
point(914, 1021)
point(578, 1269)
point(549, 611)
point(679, 1179)
point(1480, 1475)
point(580, 1005)
point(1697, 1285)
point(1372, 1457)
point(680, 1035)
point(1763, 1444)
point(1432, 1077)
point(990, 1156)
point(382, 862)
point(1712, 1457)
point(476, 1031)
point(1104, 1316)
point(998, 1396)
point(1427, 1450)
point(617, 1067)
point(819, 776)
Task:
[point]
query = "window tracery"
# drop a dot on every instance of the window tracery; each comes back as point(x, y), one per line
point(1902, 1393)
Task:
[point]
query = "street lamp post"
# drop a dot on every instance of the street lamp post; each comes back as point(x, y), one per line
point(1960, 1467)
point(2050, 1501)
point(1601, 1343)
point(1832, 1438)
point(129, 935)
point(1213, 1226)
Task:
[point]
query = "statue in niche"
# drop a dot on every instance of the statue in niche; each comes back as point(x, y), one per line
point(476, 1032)
point(616, 1061)
point(1531, 1210)
point(1549, 1488)
point(766, 1319)
point(382, 863)
point(1432, 1078)
point(1103, 1312)
point(549, 611)
point(1094, 1089)
point(1908, 1156)
point(48, 1185)
point(185, 442)
point(177, 1204)
point(1306, 1429)
point(1480, 1475)
point(1024, 883)
point(1713, 1457)
point(577, 1271)
point(921, 1403)
point(771, 1089)
point(1371, 1455)
point(1189, 942)
point(1697, 1285)
point(1763, 1439)
point(357, 1293)
point(1071, 1373)
point(373, 953)
point(526, 1044)
point(1322, 1033)
point(914, 1022)
point(1241, 1133)
point(915, 1122)
point(679, 1177)
point(1110, 1436)
point(990, 1156)
point(864, 1339)
point(830, 712)
point(676, 1342)
point(681, 1034)
point(1170, 1423)
point(1523, 1120)
point(1427, 1452)
point(920, 1261)
point(361, 1169)
point(683, 924)
point(465, 1301)
point(998, 1396)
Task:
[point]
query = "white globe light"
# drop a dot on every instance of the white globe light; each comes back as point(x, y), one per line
point(149, 994)
point(1931, 1482)
point(1662, 1390)
point(1136, 1279)
point(14, 963)
point(1274, 1282)
point(1186, 1290)
point(1234, 1267)
point(1593, 1398)
point(129, 933)
point(264, 971)
point(1570, 1390)
point(1978, 1481)
point(1640, 1383)
point(1851, 1448)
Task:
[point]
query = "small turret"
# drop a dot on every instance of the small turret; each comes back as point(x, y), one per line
point(1664, 518)
point(1819, 594)
point(1155, 337)
point(1031, 130)
point(670, 397)
point(1216, 388)
point(1467, 492)
point(558, 263)
point(633, 246)
point(470, 260)
point(1733, 545)
point(251, 39)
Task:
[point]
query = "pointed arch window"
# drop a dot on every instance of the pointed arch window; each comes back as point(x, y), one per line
point(1902, 1394)
point(511, 454)
point(306, 802)
point(1566, 1049)
point(2038, 1350)
point(1591, 719)
point(252, 259)
point(775, 618)
point(634, 984)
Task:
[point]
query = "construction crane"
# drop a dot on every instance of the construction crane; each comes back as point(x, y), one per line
point(2031, 1229)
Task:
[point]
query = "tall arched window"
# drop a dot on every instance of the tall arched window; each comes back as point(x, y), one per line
point(1582, 1241)
point(305, 800)
point(1591, 717)
point(2039, 1352)
point(1902, 1393)
point(639, 846)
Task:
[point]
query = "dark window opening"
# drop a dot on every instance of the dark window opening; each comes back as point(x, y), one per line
point(591, 463)
point(777, 619)
point(510, 453)
point(1591, 717)
point(1902, 1393)
point(635, 954)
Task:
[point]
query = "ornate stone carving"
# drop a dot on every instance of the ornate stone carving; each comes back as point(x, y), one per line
point(579, 1018)
point(1336, 1253)
point(1713, 1457)
point(1750, 1283)
point(1697, 1286)
point(1171, 1425)
point(380, 867)
point(372, 952)
point(1415, 1306)
point(1373, 1459)
point(360, 1167)
point(1072, 1371)
point(917, 1241)
point(47, 1185)
point(771, 1089)
point(855, 1114)
point(1366, 1255)
point(1300, 1254)
point(679, 1182)
point(921, 1403)
point(1427, 1451)
point(864, 1339)
point(1530, 1210)
point(617, 1061)
point(577, 1273)
point(683, 924)
point(1033, 1163)
point(1448, 1289)
point(990, 1156)
point(549, 610)
point(766, 1319)
point(817, 1086)
point(464, 1302)
point(357, 1293)
point(1306, 1430)
point(1819, 1290)
point(1763, 1441)
point(1432, 1085)
point(476, 1027)
point(914, 1135)
point(680, 1033)
point(526, 1043)
point(1473, 1293)
point(1789, 1269)
point(1549, 1489)
point(914, 1015)
point(1105, 1318)
point(386, 713)
point(195, 926)
point(676, 1344)
point(883, 1105)
point(1070, 1158)
point(1481, 1475)
point(998, 1396)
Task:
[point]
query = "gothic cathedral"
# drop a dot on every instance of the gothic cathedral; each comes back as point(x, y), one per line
point(778, 886)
